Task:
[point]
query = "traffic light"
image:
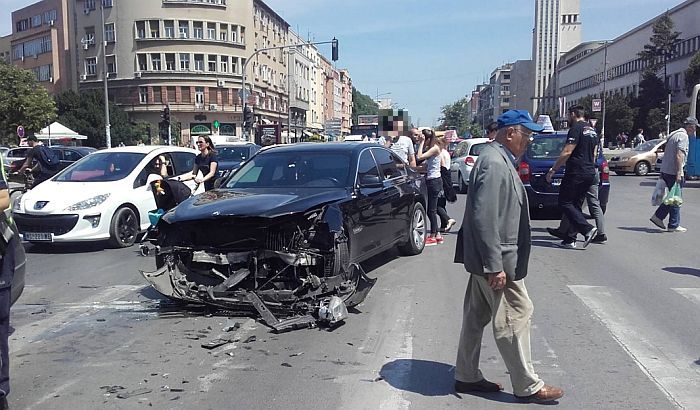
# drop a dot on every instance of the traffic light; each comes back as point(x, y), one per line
point(165, 115)
point(163, 130)
point(247, 117)
point(334, 49)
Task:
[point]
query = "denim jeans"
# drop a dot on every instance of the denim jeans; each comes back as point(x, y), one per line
point(434, 187)
point(674, 211)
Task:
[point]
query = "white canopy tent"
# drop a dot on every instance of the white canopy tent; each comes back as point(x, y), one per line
point(58, 131)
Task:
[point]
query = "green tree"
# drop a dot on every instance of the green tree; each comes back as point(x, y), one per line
point(660, 44)
point(24, 102)
point(692, 74)
point(619, 116)
point(362, 105)
point(84, 113)
point(456, 116)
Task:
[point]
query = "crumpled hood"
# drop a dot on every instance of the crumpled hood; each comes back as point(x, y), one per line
point(266, 203)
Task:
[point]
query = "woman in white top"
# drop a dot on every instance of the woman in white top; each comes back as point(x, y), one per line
point(429, 151)
point(446, 223)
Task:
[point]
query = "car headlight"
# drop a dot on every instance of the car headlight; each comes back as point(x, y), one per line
point(88, 203)
point(17, 204)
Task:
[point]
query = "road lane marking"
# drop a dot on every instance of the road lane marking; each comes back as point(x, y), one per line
point(692, 294)
point(660, 357)
point(32, 332)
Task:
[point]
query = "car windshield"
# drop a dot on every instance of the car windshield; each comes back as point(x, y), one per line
point(647, 146)
point(546, 147)
point(101, 167)
point(293, 169)
point(233, 153)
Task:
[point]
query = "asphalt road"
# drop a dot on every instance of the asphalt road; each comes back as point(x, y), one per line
point(615, 325)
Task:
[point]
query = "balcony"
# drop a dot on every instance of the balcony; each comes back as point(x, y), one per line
point(204, 3)
point(238, 45)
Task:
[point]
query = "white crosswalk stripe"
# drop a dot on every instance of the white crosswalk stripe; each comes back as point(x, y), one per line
point(663, 359)
point(66, 313)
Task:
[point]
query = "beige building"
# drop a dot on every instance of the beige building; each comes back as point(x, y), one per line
point(299, 88)
point(345, 101)
point(186, 54)
point(5, 48)
point(42, 41)
point(314, 117)
point(328, 88)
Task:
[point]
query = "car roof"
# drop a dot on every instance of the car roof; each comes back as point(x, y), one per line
point(236, 144)
point(350, 147)
point(147, 149)
point(471, 141)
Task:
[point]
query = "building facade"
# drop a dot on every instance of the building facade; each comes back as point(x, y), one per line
point(300, 87)
point(6, 48)
point(522, 85)
point(314, 117)
point(557, 30)
point(42, 41)
point(345, 101)
point(500, 85)
point(328, 88)
point(584, 71)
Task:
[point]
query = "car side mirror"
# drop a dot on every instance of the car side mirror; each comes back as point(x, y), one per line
point(370, 181)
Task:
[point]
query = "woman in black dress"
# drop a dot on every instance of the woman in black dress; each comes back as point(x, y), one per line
point(206, 162)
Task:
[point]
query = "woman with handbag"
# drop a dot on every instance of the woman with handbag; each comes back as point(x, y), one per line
point(448, 193)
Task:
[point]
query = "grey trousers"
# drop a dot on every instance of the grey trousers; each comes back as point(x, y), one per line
point(509, 310)
point(594, 208)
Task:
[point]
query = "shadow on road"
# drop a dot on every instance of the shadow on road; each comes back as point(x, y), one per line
point(432, 379)
point(56, 248)
point(640, 229)
point(682, 270)
point(546, 244)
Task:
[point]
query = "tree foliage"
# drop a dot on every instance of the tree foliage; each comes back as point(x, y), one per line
point(362, 105)
point(660, 44)
point(692, 75)
point(24, 102)
point(456, 116)
point(84, 113)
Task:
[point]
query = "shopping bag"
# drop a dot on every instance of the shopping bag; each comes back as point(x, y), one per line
point(674, 196)
point(657, 197)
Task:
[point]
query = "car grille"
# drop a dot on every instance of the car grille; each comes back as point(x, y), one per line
point(55, 224)
point(615, 159)
point(279, 240)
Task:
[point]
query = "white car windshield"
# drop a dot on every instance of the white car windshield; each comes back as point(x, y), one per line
point(101, 167)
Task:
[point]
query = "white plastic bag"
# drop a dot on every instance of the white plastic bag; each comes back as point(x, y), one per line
point(659, 192)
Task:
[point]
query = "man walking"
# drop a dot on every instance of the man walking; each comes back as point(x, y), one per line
point(578, 154)
point(672, 173)
point(494, 246)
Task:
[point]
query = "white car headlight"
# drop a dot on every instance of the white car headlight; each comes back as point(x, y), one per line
point(17, 204)
point(88, 203)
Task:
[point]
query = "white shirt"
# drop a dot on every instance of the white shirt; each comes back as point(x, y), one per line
point(403, 147)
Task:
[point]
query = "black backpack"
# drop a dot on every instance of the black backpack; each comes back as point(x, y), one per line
point(47, 157)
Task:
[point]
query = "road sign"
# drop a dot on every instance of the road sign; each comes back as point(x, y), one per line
point(20, 131)
point(216, 124)
point(597, 105)
point(594, 121)
point(243, 93)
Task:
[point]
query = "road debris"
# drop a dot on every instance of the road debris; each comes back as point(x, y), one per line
point(212, 344)
point(285, 364)
point(137, 392)
point(250, 339)
point(111, 389)
point(296, 354)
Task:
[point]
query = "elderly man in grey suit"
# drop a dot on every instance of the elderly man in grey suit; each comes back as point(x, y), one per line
point(494, 246)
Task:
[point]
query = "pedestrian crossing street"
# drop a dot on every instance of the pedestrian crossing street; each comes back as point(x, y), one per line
point(664, 360)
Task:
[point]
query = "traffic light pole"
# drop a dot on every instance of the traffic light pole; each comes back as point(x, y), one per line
point(108, 133)
point(170, 130)
point(244, 96)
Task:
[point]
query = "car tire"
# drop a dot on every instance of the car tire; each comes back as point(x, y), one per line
point(124, 228)
point(642, 168)
point(417, 231)
point(463, 188)
point(621, 173)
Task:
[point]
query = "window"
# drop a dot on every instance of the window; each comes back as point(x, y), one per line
point(224, 96)
point(234, 35)
point(111, 65)
point(199, 62)
point(91, 66)
point(89, 4)
point(169, 26)
point(366, 167)
point(184, 29)
point(154, 26)
point(224, 64)
point(211, 31)
point(234, 65)
point(109, 32)
point(157, 95)
point(388, 163)
point(185, 94)
point(36, 21)
point(170, 94)
point(199, 96)
point(141, 58)
point(155, 62)
point(140, 29)
point(17, 52)
point(197, 30)
point(143, 95)
point(223, 32)
point(49, 16)
point(184, 62)
point(170, 61)
point(22, 25)
point(107, 3)
point(44, 73)
point(211, 63)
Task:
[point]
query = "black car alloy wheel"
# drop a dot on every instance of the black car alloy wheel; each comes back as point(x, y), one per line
point(124, 227)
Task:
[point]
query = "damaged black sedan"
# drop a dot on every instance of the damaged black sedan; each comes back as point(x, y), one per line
point(284, 235)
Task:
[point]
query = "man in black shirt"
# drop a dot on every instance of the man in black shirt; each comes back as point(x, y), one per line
point(35, 162)
point(578, 154)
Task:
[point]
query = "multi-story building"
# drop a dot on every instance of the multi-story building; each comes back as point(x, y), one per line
point(314, 117)
point(300, 86)
point(485, 105)
point(522, 85)
point(557, 30)
point(42, 41)
point(188, 55)
point(6, 48)
point(337, 96)
point(583, 70)
point(345, 101)
point(500, 85)
point(328, 88)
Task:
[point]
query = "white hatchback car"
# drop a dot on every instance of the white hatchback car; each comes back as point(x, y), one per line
point(463, 159)
point(105, 195)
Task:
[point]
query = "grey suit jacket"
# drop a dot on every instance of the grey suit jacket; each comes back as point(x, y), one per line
point(495, 233)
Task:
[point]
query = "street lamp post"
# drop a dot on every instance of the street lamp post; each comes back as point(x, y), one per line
point(603, 103)
point(108, 134)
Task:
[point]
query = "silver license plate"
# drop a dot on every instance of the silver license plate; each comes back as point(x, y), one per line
point(556, 182)
point(38, 236)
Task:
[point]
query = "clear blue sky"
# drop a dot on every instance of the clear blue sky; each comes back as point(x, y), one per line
point(431, 53)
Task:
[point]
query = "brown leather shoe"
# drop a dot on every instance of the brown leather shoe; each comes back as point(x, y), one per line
point(482, 385)
point(545, 394)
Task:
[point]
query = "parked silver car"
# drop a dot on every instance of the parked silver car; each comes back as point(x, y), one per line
point(463, 160)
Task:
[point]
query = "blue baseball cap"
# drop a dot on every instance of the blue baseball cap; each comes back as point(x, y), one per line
point(518, 117)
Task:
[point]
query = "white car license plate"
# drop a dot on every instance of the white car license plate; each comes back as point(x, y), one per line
point(556, 182)
point(38, 236)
